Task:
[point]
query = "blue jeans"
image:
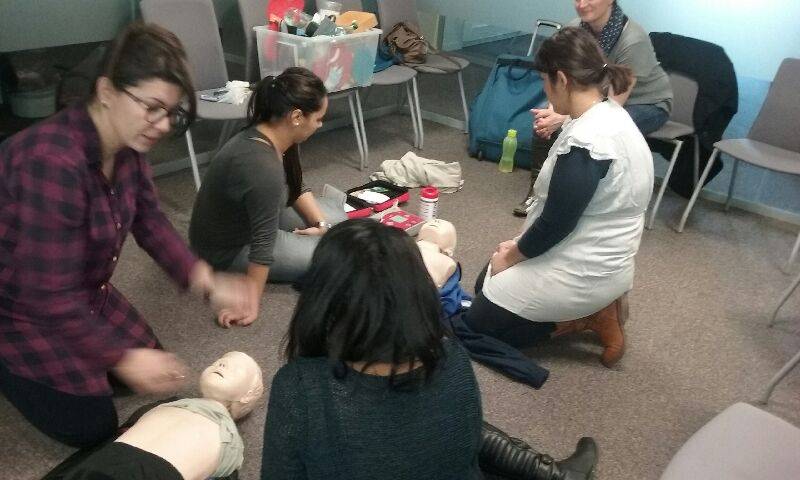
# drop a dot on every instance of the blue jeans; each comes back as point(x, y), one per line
point(648, 118)
point(293, 252)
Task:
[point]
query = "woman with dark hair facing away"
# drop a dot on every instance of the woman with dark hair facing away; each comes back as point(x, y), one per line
point(648, 96)
point(575, 255)
point(372, 390)
point(71, 189)
point(253, 214)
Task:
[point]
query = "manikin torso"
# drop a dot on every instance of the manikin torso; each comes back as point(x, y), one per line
point(188, 440)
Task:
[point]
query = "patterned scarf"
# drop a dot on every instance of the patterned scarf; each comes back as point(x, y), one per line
point(611, 31)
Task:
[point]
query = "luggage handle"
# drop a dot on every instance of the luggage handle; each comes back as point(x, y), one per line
point(539, 23)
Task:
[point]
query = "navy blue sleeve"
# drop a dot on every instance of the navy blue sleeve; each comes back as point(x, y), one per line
point(572, 186)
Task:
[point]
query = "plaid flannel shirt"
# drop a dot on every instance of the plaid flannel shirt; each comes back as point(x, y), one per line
point(62, 227)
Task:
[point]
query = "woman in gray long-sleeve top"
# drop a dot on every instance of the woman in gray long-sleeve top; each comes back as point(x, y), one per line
point(253, 213)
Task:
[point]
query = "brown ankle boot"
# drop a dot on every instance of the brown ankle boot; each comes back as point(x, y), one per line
point(607, 324)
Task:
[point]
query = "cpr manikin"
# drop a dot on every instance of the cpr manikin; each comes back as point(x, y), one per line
point(196, 436)
point(437, 241)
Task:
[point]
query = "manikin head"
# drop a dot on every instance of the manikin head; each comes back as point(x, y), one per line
point(235, 381)
point(441, 233)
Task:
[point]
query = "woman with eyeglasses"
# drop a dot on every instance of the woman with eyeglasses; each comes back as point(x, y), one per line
point(71, 189)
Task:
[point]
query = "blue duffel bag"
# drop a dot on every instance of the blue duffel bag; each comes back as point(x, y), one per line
point(511, 91)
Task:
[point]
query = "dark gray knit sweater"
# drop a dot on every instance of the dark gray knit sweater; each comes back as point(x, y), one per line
point(320, 427)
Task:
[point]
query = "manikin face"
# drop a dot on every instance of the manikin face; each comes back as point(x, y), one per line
point(305, 125)
point(440, 232)
point(593, 10)
point(128, 111)
point(229, 378)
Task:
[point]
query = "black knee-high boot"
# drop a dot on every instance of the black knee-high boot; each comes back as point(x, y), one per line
point(514, 459)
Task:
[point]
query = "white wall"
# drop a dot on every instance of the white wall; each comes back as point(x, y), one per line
point(756, 34)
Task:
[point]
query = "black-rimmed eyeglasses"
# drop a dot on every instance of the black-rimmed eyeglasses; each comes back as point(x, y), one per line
point(155, 113)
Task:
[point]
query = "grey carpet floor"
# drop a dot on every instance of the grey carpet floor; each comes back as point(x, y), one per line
point(697, 340)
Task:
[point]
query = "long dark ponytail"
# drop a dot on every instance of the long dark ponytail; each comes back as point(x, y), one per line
point(276, 97)
point(577, 54)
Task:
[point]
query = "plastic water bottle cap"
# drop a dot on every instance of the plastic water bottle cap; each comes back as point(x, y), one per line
point(512, 133)
point(429, 192)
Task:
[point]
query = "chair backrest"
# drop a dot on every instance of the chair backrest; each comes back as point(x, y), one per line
point(253, 13)
point(347, 5)
point(778, 121)
point(684, 91)
point(195, 25)
point(392, 12)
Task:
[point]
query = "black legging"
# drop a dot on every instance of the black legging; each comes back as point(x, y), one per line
point(77, 421)
point(495, 321)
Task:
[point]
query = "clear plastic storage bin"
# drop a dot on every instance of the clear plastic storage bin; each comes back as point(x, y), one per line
point(341, 62)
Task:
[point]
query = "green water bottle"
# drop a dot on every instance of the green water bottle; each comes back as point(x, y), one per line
point(509, 149)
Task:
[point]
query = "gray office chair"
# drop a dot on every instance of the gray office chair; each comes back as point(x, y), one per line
point(741, 443)
point(253, 13)
point(773, 141)
point(395, 75)
point(195, 25)
point(392, 12)
point(680, 124)
point(791, 363)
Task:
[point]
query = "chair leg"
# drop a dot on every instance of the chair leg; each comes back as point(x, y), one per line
point(412, 110)
point(356, 130)
point(678, 145)
point(793, 255)
point(415, 88)
point(193, 158)
point(778, 377)
point(733, 182)
point(788, 293)
point(463, 102)
point(696, 170)
point(360, 112)
point(697, 189)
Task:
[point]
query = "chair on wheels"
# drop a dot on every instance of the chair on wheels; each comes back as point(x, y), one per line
point(680, 124)
point(392, 12)
point(195, 24)
point(791, 363)
point(394, 75)
point(772, 142)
